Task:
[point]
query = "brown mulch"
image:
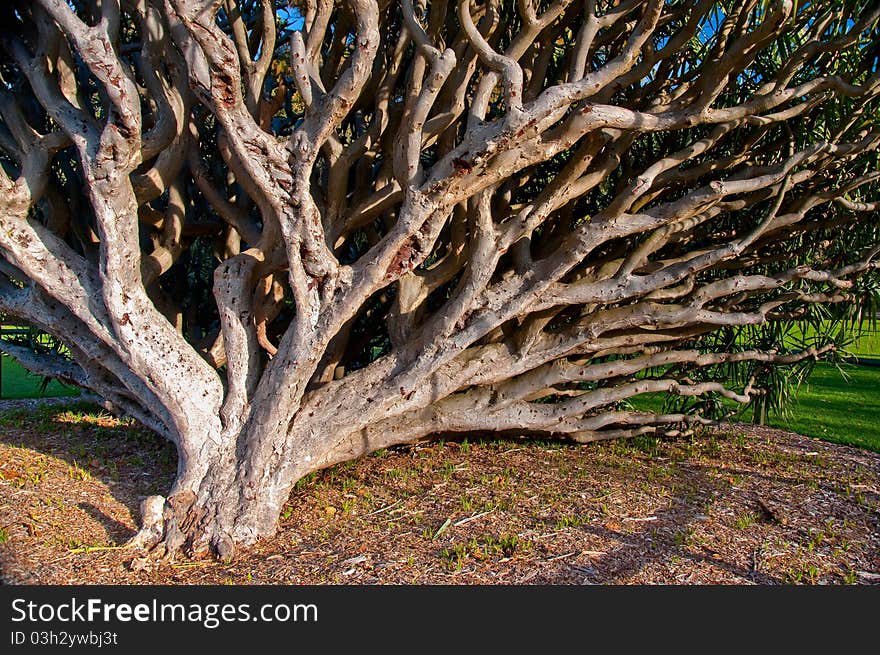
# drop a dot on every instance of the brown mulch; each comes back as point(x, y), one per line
point(745, 505)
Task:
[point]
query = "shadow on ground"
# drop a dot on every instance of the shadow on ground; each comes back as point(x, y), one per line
point(765, 507)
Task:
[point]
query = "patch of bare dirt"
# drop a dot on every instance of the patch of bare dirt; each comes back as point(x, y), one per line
point(745, 505)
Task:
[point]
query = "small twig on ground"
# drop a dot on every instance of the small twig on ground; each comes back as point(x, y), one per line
point(94, 549)
point(471, 518)
point(553, 559)
point(442, 528)
point(384, 509)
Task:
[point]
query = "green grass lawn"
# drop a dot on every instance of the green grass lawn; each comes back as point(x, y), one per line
point(836, 408)
point(866, 343)
point(19, 383)
point(843, 407)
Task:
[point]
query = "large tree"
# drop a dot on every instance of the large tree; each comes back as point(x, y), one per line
point(285, 236)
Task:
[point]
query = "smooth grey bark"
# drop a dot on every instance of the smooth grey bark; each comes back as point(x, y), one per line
point(418, 141)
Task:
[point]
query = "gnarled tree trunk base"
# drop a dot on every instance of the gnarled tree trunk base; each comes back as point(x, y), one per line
point(177, 525)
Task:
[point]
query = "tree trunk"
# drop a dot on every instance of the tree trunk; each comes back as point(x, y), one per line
point(214, 504)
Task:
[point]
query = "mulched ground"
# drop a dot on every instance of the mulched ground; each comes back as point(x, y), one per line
point(745, 505)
